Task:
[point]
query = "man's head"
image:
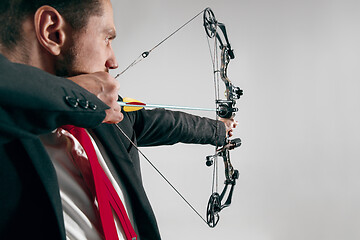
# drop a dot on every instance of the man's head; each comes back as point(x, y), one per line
point(64, 37)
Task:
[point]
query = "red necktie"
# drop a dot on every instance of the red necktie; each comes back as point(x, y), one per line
point(105, 192)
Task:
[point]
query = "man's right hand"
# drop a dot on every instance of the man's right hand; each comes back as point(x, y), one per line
point(106, 88)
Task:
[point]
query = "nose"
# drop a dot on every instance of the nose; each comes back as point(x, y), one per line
point(111, 63)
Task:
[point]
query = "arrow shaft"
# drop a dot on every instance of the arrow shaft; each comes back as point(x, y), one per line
point(124, 104)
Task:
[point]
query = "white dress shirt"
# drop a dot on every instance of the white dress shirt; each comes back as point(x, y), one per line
point(81, 215)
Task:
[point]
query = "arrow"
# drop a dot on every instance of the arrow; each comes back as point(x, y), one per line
point(131, 105)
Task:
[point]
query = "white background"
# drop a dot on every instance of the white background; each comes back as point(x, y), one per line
point(298, 63)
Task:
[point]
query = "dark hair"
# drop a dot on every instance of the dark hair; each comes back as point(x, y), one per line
point(14, 12)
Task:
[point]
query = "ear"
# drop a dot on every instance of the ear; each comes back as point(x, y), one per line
point(50, 29)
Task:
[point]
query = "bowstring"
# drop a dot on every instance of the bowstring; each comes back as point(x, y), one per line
point(218, 97)
point(159, 172)
point(146, 53)
point(216, 72)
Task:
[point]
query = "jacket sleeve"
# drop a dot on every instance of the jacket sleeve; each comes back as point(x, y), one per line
point(35, 102)
point(164, 127)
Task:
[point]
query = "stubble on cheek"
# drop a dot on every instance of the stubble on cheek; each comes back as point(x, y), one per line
point(64, 66)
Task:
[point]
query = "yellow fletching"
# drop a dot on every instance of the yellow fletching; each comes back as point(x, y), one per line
point(132, 102)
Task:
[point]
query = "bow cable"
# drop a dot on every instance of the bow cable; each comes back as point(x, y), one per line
point(215, 66)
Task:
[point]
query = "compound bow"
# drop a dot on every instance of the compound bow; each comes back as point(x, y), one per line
point(224, 109)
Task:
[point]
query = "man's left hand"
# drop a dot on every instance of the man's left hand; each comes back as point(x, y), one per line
point(230, 124)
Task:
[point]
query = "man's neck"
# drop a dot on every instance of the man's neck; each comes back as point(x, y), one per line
point(16, 56)
point(30, 55)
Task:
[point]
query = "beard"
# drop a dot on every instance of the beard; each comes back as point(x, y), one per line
point(73, 61)
point(64, 66)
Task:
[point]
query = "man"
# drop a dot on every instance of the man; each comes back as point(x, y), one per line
point(72, 39)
